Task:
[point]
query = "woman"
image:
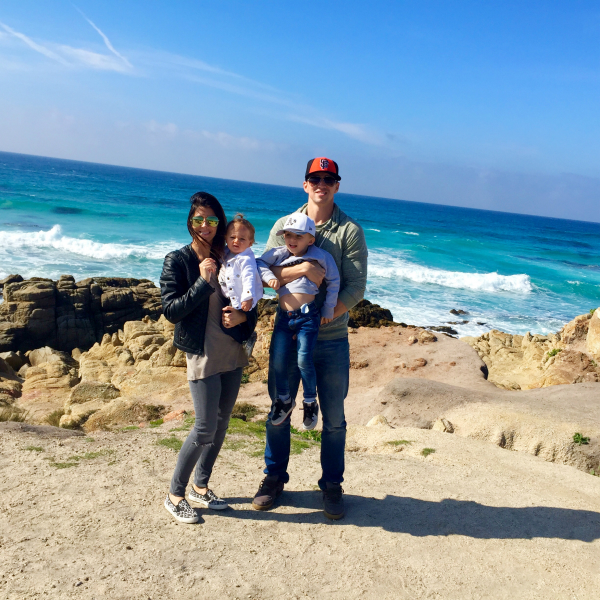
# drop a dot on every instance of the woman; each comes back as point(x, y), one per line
point(205, 328)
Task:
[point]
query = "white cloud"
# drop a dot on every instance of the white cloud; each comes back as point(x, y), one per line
point(87, 58)
point(106, 40)
point(33, 45)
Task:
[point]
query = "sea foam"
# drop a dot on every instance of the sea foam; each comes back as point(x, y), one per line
point(54, 239)
point(394, 268)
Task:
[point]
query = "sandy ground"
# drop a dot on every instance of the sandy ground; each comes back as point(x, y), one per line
point(469, 521)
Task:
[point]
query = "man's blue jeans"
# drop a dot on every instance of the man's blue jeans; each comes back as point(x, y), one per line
point(305, 326)
point(332, 364)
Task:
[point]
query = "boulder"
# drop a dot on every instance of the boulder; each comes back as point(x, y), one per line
point(88, 391)
point(366, 314)
point(78, 414)
point(15, 359)
point(593, 335)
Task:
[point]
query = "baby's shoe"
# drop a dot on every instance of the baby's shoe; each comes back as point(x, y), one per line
point(311, 415)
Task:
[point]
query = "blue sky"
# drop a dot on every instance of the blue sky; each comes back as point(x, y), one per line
point(489, 105)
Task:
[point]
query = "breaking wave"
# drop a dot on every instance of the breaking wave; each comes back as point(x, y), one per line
point(393, 268)
point(54, 239)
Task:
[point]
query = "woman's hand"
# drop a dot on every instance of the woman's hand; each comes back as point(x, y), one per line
point(207, 267)
point(232, 317)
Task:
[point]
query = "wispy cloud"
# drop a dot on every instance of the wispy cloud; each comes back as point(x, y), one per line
point(34, 45)
point(68, 56)
point(163, 64)
point(105, 38)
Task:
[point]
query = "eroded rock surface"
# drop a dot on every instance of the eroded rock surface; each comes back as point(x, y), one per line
point(524, 362)
point(66, 314)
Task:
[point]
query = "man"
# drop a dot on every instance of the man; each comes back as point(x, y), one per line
point(344, 239)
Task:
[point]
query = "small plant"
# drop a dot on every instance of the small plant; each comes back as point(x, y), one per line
point(245, 408)
point(54, 417)
point(313, 435)
point(593, 363)
point(90, 455)
point(156, 423)
point(593, 472)
point(245, 378)
point(89, 440)
point(427, 451)
point(174, 443)
point(130, 428)
point(399, 442)
point(297, 446)
point(554, 351)
point(12, 413)
point(580, 439)
point(34, 448)
point(592, 311)
point(60, 465)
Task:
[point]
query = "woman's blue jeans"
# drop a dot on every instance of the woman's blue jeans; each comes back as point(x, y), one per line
point(304, 325)
point(332, 365)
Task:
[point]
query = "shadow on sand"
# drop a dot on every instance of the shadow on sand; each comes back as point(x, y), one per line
point(422, 518)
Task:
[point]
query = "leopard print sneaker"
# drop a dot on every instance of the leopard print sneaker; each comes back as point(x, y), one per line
point(183, 512)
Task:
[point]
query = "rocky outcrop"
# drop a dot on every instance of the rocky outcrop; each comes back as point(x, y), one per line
point(523, 362)
point(66, 314)
point(366, 314)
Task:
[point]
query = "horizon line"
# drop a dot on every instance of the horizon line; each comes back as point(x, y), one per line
point(487, 210)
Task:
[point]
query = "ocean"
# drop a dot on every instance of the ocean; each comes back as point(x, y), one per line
point(511, 272)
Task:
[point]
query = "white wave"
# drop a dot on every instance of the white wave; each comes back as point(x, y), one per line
point(54, 239)
point(410, 233)
point(377, 230)
point(392, 268)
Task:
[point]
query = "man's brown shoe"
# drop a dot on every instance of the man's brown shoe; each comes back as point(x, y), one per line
point(270, 488)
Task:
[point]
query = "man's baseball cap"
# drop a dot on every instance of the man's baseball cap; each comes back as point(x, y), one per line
point(298, 223)
point(322, 164)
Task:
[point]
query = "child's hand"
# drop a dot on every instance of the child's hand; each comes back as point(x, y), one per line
point(247, 305)
point(325, 320)
point(274, 283)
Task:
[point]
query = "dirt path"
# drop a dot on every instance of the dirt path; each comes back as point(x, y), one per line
point(469, 521)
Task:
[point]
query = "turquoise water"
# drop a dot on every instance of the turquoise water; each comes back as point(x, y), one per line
point(512, 272)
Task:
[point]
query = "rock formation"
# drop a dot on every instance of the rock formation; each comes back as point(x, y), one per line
point(523, 362)
point(65, 314)
point(366, 314)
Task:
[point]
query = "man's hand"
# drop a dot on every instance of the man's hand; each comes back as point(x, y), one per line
point(247, 305)
point(325, 320)
point(312, 270)
point(274, 283)
point(232, 317)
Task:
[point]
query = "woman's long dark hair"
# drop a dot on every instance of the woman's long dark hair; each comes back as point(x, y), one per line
point(206, 200)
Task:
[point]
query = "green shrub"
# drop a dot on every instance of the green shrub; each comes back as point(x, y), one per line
point(54, 417)
point(554, 351)
point(11, 413)
point(312, 435)
point(245, 378)
point(580, 439)
point(427, 451)
point(399, 442)
point(592, 311)
point(245, 408)
point(34, 448)
point(156, 423)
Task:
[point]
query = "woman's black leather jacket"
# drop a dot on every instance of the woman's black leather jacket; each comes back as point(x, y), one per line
point(185, 295)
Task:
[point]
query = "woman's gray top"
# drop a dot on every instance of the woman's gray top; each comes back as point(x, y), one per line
point(221, 352)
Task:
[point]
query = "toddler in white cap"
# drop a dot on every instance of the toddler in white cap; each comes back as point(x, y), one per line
point(298, 317)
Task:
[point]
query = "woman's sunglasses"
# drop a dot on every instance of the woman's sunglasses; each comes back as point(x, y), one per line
point(316, 180)
point(210, 221)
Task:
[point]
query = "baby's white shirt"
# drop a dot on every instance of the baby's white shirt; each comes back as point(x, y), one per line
point(239, 278)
